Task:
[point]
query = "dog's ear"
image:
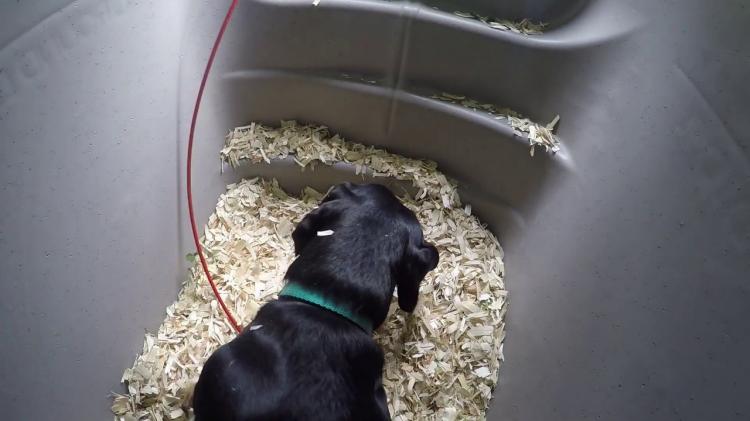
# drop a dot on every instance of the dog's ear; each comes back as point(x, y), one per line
point(419, 258)
point(322, 218)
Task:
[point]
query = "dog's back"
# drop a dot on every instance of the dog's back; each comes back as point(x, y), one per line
point(294, 363)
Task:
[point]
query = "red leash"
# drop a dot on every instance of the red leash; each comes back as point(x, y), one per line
point(193, 225)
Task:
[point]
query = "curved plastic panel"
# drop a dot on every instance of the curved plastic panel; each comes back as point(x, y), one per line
point(626, 253)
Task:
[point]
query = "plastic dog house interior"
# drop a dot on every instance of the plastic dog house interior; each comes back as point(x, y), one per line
point(627, 252)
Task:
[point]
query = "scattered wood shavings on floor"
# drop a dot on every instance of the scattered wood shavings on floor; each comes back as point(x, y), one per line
point(524, 26)
point(537, 134)
point(441, 362)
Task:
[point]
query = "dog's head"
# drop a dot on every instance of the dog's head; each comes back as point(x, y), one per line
point(376, 245)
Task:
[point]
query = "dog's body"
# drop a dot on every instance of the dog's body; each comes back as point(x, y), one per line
point(300, 361)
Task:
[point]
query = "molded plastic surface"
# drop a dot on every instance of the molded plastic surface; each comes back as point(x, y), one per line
point(627, 253)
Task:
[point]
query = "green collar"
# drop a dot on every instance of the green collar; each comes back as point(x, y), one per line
point(303, 293)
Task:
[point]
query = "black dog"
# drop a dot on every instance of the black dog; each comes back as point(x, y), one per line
point(309, 355)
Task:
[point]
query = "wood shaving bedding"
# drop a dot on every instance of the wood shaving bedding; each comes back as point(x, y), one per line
point(537, 134)
point(524, 26)
point(441, 363)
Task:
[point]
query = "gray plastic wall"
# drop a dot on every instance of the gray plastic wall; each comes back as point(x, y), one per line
point(627, 253)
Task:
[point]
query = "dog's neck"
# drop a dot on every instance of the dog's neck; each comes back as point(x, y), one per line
point(354, 276)
point(308, 295)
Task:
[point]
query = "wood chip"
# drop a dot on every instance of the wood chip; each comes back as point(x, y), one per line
point(537, 134)
point(440, 363)
point(523, 26)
